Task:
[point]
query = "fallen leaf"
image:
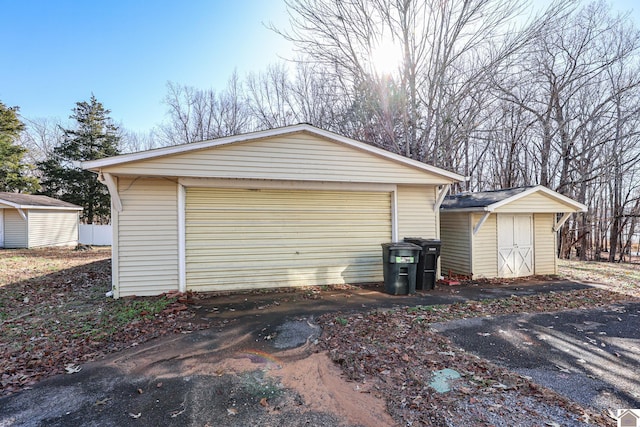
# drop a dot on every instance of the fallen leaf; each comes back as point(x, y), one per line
point(72, 369)
point(103, 401)
point(177, 412)
point(140, 391)
point(232, 411)
point(135, 416)
point(263, 402)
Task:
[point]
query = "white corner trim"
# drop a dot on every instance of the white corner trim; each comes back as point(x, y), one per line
point(394, 215)
point(561, 221)
point(442, 193)
point(22, 214)
point(479, 224)
point(107, 179)
point(182, 235)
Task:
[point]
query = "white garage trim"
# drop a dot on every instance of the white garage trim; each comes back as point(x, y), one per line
point(1, 228)
point(284, 185)
point(182, 253)
point(255, 238)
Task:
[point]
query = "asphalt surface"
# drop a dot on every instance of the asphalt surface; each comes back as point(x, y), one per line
point(590, 356)
point(178, 380)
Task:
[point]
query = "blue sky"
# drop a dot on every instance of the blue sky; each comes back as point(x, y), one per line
point(57, 52)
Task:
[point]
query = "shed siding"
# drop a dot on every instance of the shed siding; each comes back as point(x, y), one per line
point(545, 244)
point(52, 228)
point(416, 217)
point(300, 157)
point(485, 247)
point(15, 229)
point(536, 202)
point(147, 237)
point(455, 233)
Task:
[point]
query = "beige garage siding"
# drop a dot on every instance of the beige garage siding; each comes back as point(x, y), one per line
point(300, 157)
point(147, 237)
point(485, 247)
point(243, 239)
point(52, 228)
point(15, 230)
point(545, 244)
point(455, 234)
point(415, 212)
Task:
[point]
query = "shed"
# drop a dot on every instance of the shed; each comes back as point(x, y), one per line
point(291, 206)
point(503, 233)
point(28, 221)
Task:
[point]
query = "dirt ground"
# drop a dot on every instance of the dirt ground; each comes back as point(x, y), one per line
point(259, 359)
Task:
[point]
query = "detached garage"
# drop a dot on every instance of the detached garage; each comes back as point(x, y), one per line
point(292, 206)
point(28, 221)
point(503, 233)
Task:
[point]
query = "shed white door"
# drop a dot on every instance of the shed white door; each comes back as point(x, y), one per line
point(1, 228)
point(244, 239)
point(515, 245)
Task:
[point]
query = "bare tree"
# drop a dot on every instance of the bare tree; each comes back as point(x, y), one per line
point(40, 137)
point(197, 115)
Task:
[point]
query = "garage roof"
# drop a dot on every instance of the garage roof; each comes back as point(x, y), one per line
point(29, 201)
point(97, 165)
point(488, 201)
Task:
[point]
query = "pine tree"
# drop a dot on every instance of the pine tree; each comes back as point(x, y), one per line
point(13, 171)
point(94, 137)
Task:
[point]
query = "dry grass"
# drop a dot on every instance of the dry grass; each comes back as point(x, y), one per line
point(617, 277)
point(53, 312)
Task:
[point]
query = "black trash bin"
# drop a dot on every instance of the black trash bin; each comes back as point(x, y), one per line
point(400, 261)
point(428, 262)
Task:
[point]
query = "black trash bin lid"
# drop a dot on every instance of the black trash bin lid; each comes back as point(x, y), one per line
point(400, 245)
point(421, 241)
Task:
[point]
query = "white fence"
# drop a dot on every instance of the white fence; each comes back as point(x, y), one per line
point(98, 235)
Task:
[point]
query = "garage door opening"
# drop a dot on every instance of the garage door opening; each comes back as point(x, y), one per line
point(249, 239)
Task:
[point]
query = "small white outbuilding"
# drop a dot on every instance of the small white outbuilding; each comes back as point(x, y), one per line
point(28, 221)
point(503, 233)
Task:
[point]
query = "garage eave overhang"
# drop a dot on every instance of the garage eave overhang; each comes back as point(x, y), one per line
point(22, 207)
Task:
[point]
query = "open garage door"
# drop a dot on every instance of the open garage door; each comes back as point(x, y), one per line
point(249, 239)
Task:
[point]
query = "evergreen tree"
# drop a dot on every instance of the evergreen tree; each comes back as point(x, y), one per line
point(13, 172)
point(94, 137)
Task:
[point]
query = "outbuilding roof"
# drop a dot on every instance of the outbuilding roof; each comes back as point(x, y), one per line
point(30, 201)
point(480, 199)
point(488, 201)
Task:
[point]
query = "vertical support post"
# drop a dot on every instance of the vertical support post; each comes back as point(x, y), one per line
point(182, 259)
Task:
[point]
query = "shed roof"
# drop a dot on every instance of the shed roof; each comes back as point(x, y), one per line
point(488, 201)
point(97, 165)
point(29, 201)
